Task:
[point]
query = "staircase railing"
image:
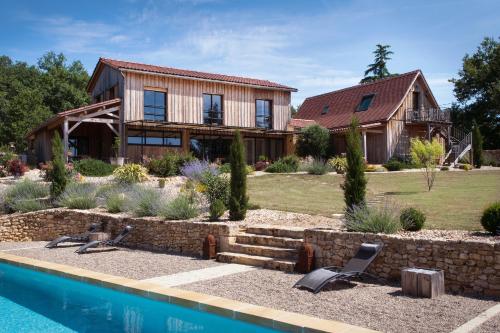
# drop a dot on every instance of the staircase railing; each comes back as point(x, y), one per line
point(424, 115)
point(458, 150)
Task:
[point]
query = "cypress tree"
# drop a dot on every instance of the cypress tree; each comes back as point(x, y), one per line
point(58, 176)
point(477, 145)
point(238, 201)
point(355, 182)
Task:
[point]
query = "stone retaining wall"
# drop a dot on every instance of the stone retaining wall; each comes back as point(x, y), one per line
point(149, 233)
point(469, 266)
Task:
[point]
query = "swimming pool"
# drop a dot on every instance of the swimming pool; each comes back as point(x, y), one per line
point(33, 301)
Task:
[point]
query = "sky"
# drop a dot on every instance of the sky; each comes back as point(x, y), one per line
point(314, 46)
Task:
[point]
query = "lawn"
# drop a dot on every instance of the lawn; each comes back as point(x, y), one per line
point(455, 202)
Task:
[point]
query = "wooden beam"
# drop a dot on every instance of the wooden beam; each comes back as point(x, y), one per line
point(364, 146)
point(113, 129)
point(66, 138)
point(94, 120)
point(101, 112)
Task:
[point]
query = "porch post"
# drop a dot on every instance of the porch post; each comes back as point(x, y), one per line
point(364, 145)
point(121, 130)
point(185, 140)
point(66, 138)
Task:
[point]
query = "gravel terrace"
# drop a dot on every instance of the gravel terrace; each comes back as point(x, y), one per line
point(491, 326)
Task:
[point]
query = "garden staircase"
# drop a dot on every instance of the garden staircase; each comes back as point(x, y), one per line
point(267, 247)
point(459, 144)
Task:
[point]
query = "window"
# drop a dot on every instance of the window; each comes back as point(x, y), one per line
point(212, 109)
point(154, 138)
point(365, 103)
point(78, 145)
point(154, 105)
point(325, 110)
point(263, 113)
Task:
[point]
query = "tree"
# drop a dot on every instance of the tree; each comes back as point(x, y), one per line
point(477, 90)
point(477, 145)
point(58, 173)
point(355, 182)
point(426, 154)
point(378, 69)
point(313, 141)
point(238, 200)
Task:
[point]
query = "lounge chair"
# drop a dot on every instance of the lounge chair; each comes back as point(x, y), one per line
point(80, 238)
point(355, 267)
point(110, 242)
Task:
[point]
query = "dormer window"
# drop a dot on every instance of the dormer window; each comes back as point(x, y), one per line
point(325, 110)
point(365, 103)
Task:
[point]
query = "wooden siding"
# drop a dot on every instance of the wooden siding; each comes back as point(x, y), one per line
point(108, 78)
point(185, 100)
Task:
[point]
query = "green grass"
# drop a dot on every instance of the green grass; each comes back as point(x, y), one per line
point(456, 201)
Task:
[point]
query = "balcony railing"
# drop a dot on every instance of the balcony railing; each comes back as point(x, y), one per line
point(427, 115)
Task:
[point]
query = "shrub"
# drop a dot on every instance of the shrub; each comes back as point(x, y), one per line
point(79, 196)
point(426, 154)
point(466, 167)
point(216, 209)
point(93, 168)
point(24, 195)
point(181, 208)
point(131, 173)
point(225, 168)
point(412, 219)
point(381, 219)
point(6, 155)
point(3, 171)
point(317, 167)
point(338, 164)
point(17, 168)
point(170, 164)
point(285, 164)
point(477, 146)
point(144, 202)
point(58, 175)
point(370, 168)
point(355, 182)
point(491, 218)
point(238, 200)
point(445, 168)
point(394, 165)
point(161, 182)
point(313, 141)
point(197, 169)
point(217, 191)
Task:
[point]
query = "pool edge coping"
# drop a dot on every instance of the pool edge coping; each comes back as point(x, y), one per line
point(246, 312)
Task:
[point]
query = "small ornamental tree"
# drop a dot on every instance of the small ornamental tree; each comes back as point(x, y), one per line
point(477, 146)
point(313, 141)
point(238, 200)
point(58, 176)
point(427, 155)
point(355, 182)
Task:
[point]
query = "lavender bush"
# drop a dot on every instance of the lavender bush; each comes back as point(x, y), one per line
point(196, 169)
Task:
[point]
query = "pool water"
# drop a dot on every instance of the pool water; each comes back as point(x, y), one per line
point(32, 301)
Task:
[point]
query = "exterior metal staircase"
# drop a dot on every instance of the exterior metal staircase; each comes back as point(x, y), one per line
point(459, 144)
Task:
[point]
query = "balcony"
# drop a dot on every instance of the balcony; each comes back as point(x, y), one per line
point(427, 115)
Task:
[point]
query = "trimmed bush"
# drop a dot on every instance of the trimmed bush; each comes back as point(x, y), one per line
point(238, 200)
point(79, 196)
point(412, 219)
point(491, 218)
point(381, 219)
point(93, 168)
point(355, 181)
point(24, 196)
point(317, 167)
point(338, 164)
point(181, 208)
point(394, 165)
point(170, 164)
point(131, 173)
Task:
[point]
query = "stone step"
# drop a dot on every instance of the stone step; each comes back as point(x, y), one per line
point(259, 261)
point(264, 251)
point(253, 239)
point(289, 232)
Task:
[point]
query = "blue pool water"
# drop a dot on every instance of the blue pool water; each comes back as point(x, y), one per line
point(32, 301)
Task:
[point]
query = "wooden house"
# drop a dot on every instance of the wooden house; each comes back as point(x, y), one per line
point(154, 109)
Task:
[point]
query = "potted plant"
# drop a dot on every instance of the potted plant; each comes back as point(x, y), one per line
point(116, 149)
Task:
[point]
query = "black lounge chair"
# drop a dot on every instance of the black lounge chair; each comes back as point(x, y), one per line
point(355, 267)
point(81, 238)
point(111, 242)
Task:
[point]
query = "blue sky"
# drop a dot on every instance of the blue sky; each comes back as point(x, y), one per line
point(315, 46)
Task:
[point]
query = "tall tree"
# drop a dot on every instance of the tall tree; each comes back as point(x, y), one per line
point(378, 70)
point(313, 141)
point(58, 176)
point(238, 201)
point(477, 90)
point(355, 181)
point(477, 145)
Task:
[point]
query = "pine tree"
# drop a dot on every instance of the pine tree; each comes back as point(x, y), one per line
point(379, 67)
point(238, 201)
point(58, 173)
point(477, 146)
point(355, 182)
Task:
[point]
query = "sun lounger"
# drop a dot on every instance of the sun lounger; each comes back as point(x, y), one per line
point(355, 267)
point(111, 242)
point(81, 238)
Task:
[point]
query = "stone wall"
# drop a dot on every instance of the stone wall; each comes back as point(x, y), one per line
point(469, 266)
point(149, 233)
point(492, 155)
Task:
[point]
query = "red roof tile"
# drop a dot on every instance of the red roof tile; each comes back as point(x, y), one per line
point(389, 94)
point(119, 64)
point(300, 123)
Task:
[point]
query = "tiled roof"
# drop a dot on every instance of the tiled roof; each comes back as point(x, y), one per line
point(389, 94)
point(119, 64)
point(300, 123)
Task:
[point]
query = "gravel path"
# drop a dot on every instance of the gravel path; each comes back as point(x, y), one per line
point(133, 264)
point(491, 326)
point(368, 305)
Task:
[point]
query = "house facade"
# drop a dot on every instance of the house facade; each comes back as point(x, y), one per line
point(155, 109)
point(390, 111)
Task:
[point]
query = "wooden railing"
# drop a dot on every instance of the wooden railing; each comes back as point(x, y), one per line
point(425, 115)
